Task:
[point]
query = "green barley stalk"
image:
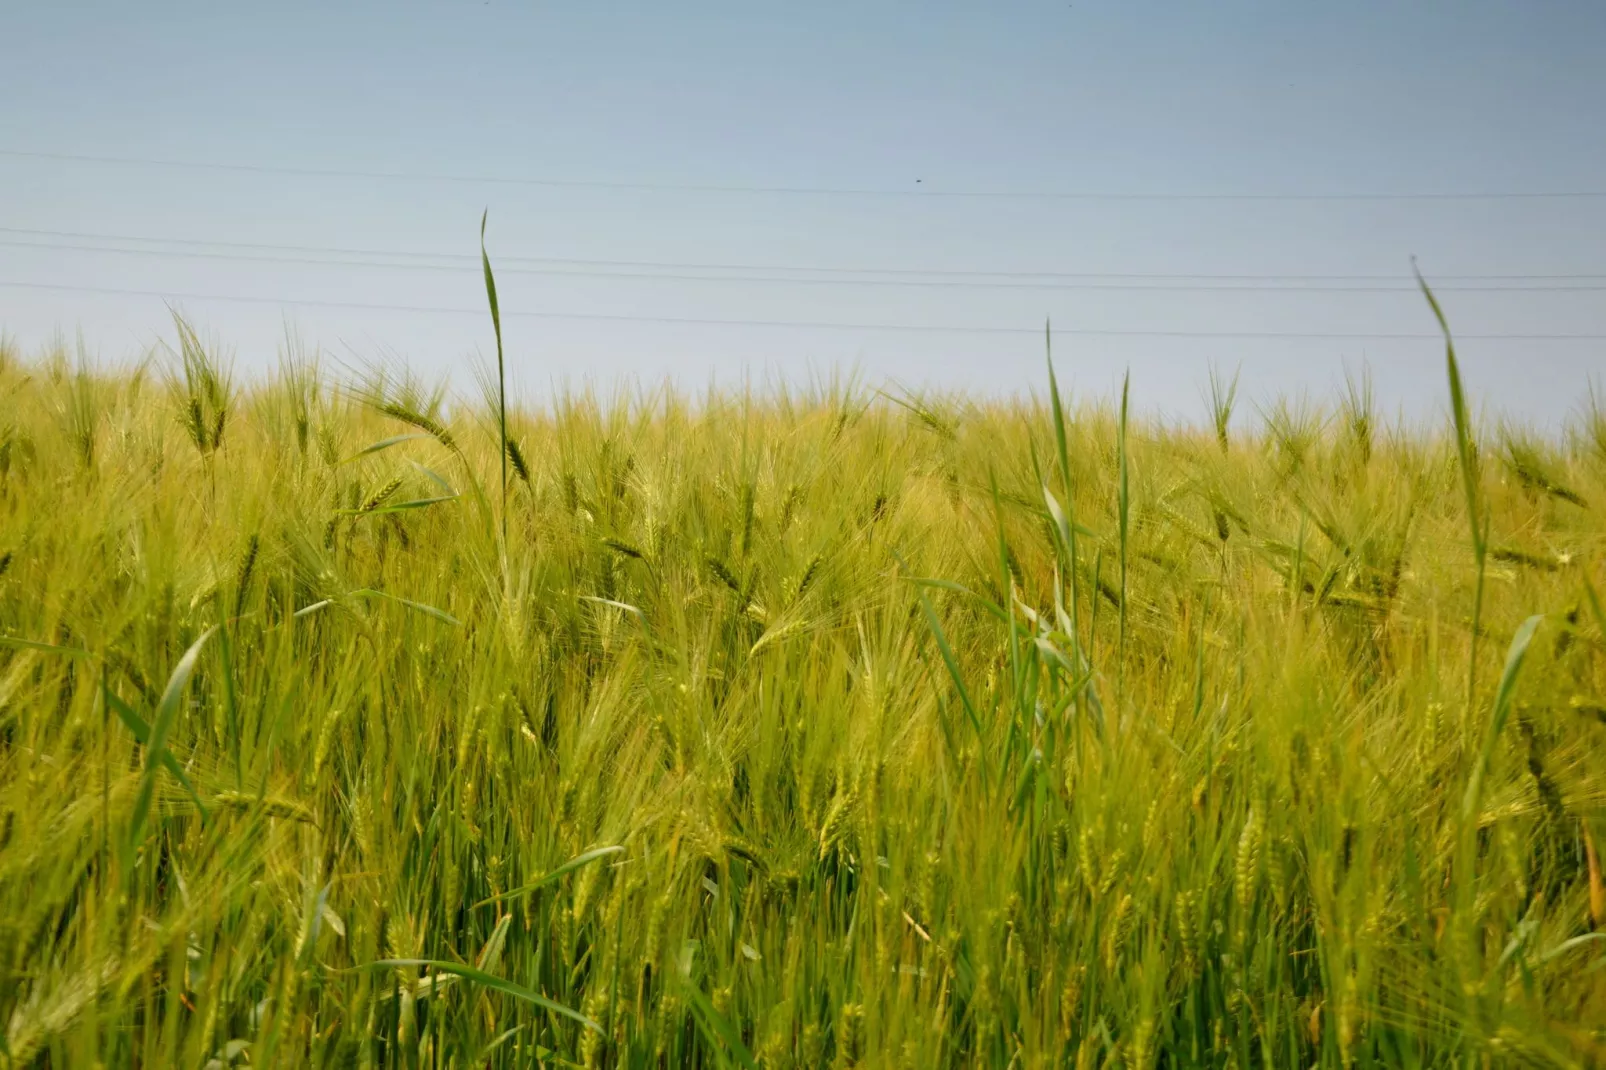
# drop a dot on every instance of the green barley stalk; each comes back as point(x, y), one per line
point(1124, 506)
point(1066, 489)
point(1466, 452)
point(1223, 396)
point(501, 370)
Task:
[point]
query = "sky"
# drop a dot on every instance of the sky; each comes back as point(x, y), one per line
point(741, 193)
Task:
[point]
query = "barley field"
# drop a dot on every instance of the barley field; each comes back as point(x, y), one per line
point(346, 723)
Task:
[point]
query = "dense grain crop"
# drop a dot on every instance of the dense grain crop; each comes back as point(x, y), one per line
point(812, 729)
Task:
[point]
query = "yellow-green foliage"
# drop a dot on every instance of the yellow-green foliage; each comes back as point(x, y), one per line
point(858, 759)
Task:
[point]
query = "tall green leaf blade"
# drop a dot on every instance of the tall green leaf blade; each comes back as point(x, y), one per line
point(549, 877)
point(494, 983)
point(501, 369)
point(166, 715)
point(428, 611)
point(46, 648)
point(384, 444)
point(1498, 715)
point(952, 664)
point(716, 1025)
point(142, 733)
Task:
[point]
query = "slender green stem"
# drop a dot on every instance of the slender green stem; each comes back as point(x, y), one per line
point(501, 370)
point(1124, 506)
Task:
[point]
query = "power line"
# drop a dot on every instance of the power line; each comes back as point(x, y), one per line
point(812, 191)
point(506, 263)
point(811, 325)
point(948, 284)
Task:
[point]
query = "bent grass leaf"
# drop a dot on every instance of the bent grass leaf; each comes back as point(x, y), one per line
point(142, 734)
point(958, 588)
point(568, 867)
point(952, 663)
point(501, 367)
point(385, 444)
point(613, 604)
point(47, 648)
point(1498, 716)
point(166, 715)
point(400, 507)
point(435, 478)
point(490, 981)
point(428, 611)
point(716, 1026)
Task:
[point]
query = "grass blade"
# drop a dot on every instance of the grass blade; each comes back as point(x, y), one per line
point(166, 715)
point(624, 607)
point(1065, 518)
point(958, 588)
point(384, 444)
point(142, 734)
point(401, 507)
point(1499, 714)
point(1466, 453)
point(570, 866)
point(1124, 507)
point(1464, 865)
point(716, 1026)
point(435, 478)
point(48, 648)
point(1465, 449)
point(494, 983)
point(952, 663)
point(429, 611)
point(501, 369)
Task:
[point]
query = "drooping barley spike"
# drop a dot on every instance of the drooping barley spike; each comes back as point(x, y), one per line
point(1223, 395)
point(195, 423)
point(326, 735)
point(515, 456)
point(723, 573)
point(1597, 884)
point(1071, 998)
point(421, 421)
point(1247, 868)
point(837, 816)
point(1549, 792)
point(852, 1030)
point(1151, 824)
point(1143, 1044)
point(1087, 1051)
point(806, 580)
point(1120, 924)
point(1112, 870)
point(1087, 858)
point(1431, 727)
point(1189, 936)
point(378, 497)
point(242, 576)
point(794, 497)
point(812, 1045)
point(1348, 1015)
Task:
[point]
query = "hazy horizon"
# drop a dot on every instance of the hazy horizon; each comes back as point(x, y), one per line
point(726, 192)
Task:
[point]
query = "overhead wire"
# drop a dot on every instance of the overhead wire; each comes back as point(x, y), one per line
point(932, 192)
point(799, 324)
point(324, 256)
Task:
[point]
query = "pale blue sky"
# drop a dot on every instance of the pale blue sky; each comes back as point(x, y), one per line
point(914, 100)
